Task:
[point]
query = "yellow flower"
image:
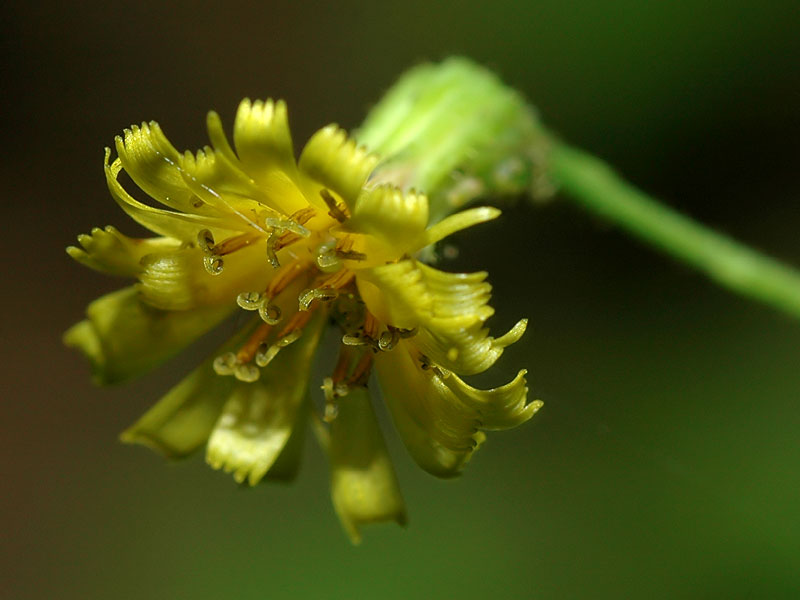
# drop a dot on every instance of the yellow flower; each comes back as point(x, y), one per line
point(297, 244)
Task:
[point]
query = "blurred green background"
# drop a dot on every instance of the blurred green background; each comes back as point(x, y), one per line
point(665, 461)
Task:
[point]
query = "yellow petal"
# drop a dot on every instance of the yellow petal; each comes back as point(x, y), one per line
point(109, 251)
point(364, 486)
point(439, 430)
point(259, 418)
point(394, 217)
point(181, 226)
point(337, 163)
point(123, 337)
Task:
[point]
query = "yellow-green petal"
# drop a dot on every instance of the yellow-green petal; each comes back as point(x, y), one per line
point(456, 222)
point(337, 162)
point(499, 408)
point(109, 251)
point(364, 486)
point(449, 310)
point(177, 280)
point(182, 420)
point(152, 163)
point(124, 337)
point(258, 418)
point(181, 226)
point(439, 431)
point(394, 217)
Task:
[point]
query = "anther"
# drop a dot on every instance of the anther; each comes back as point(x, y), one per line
point(350, 255)
point(334, 210)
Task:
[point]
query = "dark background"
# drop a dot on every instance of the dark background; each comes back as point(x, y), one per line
point(665, 462)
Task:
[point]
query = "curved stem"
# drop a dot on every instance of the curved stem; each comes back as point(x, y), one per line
point(595, 186)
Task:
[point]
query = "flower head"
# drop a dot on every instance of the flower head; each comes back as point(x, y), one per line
point(297, 244)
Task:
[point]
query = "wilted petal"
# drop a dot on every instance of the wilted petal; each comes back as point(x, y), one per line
point(123, 337)
point(109, 251)
point(364, 486)
point(259, 418)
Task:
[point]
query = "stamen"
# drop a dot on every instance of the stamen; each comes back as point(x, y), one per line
point(232, 244)
point(287, 225)
point(250, 300)
point(266, 353)
point(327, 261)
point(370, 325)
point(213, 264)
point(344, 252)
point(361, 372)
point(285, 276)
point(248, 373)
point(251, 346)
point(303, 215)
point(225, 364)
point(334, 207)
point(351, 255)
point(269, 313)
point(388, 340)
point(272, 257)
point(357, 339)
point(205, 240)
point(323, 294)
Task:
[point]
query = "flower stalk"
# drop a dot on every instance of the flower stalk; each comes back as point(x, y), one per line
point(595, 186)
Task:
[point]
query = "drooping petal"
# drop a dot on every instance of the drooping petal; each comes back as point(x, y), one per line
point(183, 419)
point(439, 431)
point(177, 279)
point(364, 486)
point(337, 162)
point(499, 408)
point(181, 226)
point(124, 337)
point(395, 217)
point(258, 418)
point(152, 162)
point(109, 251)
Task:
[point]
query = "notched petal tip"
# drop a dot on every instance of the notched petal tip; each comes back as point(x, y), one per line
point(337, 162)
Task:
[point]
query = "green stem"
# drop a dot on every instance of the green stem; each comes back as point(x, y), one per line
point(595, 186)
